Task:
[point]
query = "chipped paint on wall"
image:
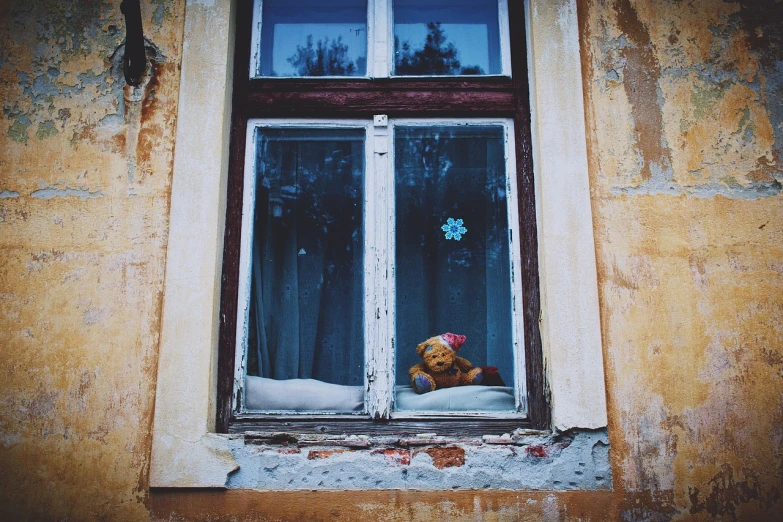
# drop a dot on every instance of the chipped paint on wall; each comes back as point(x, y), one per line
point(81, 262)
point(696, 87)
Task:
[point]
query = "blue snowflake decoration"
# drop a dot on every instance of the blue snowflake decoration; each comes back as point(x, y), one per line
point(454, 229)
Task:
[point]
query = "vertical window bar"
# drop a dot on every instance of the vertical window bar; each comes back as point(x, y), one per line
point(379, 272)
point(517, 311)
point(245, 259)
point(505, 43)
point(255, 41)
point(379, 29)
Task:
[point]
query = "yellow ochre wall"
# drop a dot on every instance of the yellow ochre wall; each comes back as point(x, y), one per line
point(684, 109)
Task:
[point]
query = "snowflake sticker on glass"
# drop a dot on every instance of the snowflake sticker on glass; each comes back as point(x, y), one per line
point(454, 229)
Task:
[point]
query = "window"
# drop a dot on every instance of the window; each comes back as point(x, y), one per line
point(188, 446)
point(374, 204)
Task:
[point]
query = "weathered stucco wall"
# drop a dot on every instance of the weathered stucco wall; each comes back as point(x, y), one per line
point(684, 103)
point(685, 118)
point(84, 198)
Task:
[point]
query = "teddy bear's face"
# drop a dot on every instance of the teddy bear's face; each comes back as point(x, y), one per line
point(437, 356)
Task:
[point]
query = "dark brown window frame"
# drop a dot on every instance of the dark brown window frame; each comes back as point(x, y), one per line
point(445, 97)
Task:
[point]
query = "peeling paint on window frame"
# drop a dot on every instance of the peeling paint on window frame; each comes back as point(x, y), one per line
point(379, 233)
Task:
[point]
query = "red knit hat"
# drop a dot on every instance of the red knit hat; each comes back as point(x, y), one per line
point(453, 341)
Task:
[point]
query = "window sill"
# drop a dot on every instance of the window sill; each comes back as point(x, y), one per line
point(476, 426)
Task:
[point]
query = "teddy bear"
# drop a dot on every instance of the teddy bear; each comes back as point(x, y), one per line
point(441, 367)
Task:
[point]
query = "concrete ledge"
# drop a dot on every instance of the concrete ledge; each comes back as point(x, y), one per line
point(578, 460)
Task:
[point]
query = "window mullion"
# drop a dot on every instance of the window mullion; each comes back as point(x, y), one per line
point(378, 266)
point(380, 28)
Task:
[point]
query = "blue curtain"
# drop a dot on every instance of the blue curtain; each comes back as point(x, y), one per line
point(306, 287)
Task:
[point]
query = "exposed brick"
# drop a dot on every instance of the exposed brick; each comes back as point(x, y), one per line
point(449, 457)
point(537, 451)
point(322, 454)
point(397, 456)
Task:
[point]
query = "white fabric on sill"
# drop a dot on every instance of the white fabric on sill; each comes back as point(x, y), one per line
point(459, 398)
point(313, 395)
point(301, 395)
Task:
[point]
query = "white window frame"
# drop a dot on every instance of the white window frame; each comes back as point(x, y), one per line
point(379, 248)
point(515, 261)
point(186, 451)
point(380, 44)
point(245, 253)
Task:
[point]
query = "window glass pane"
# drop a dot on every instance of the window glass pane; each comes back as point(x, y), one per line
point(445, 37)
point(452, 261)
point(306, 303)
point(313, 38)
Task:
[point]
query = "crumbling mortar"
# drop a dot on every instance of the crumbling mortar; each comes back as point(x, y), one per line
point(519, 438)
point(576, 459)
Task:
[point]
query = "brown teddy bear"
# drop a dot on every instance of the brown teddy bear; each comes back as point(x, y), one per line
point(441, 367)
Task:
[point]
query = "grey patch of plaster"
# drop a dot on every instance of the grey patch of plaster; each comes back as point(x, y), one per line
point(8, 194)
point(46, 130)
point(732, 191)
point(18, 130)
point(576, 461)
point(54, 192)
point(662, 182)
point(162, 12)
point(774, 98)
point(112, 123)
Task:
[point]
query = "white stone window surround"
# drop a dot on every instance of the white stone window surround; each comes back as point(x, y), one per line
point(186, 452)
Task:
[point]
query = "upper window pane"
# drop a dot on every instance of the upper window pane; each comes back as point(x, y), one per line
point(313, 38)
point(446, 37)
point(305, 329)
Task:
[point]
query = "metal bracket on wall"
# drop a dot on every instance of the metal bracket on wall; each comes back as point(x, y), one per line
point(134, 62)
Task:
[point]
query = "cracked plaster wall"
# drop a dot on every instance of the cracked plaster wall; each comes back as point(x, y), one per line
point(684, 103)
point(84, 198)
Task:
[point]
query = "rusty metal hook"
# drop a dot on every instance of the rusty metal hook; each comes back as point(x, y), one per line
point(134, 62)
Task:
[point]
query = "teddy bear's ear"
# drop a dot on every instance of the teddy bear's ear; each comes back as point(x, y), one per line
point(421, 348)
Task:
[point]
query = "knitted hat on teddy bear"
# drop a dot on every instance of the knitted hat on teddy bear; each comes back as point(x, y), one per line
point(453, 341)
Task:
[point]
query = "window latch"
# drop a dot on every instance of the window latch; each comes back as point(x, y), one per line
point(134, 61)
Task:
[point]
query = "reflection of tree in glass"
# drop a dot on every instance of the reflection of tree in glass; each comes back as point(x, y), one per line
point(437, 57)
point(325, 58)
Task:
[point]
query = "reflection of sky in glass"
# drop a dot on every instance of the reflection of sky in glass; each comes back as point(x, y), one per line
point(469, 39)
point(287, 36)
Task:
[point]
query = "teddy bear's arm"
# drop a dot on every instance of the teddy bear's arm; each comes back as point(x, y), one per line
point(416, 368)
point(421, 381)
point(463, 364)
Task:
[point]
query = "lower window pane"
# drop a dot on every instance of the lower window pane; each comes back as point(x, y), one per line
point(305, 338)
point(452, 269)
